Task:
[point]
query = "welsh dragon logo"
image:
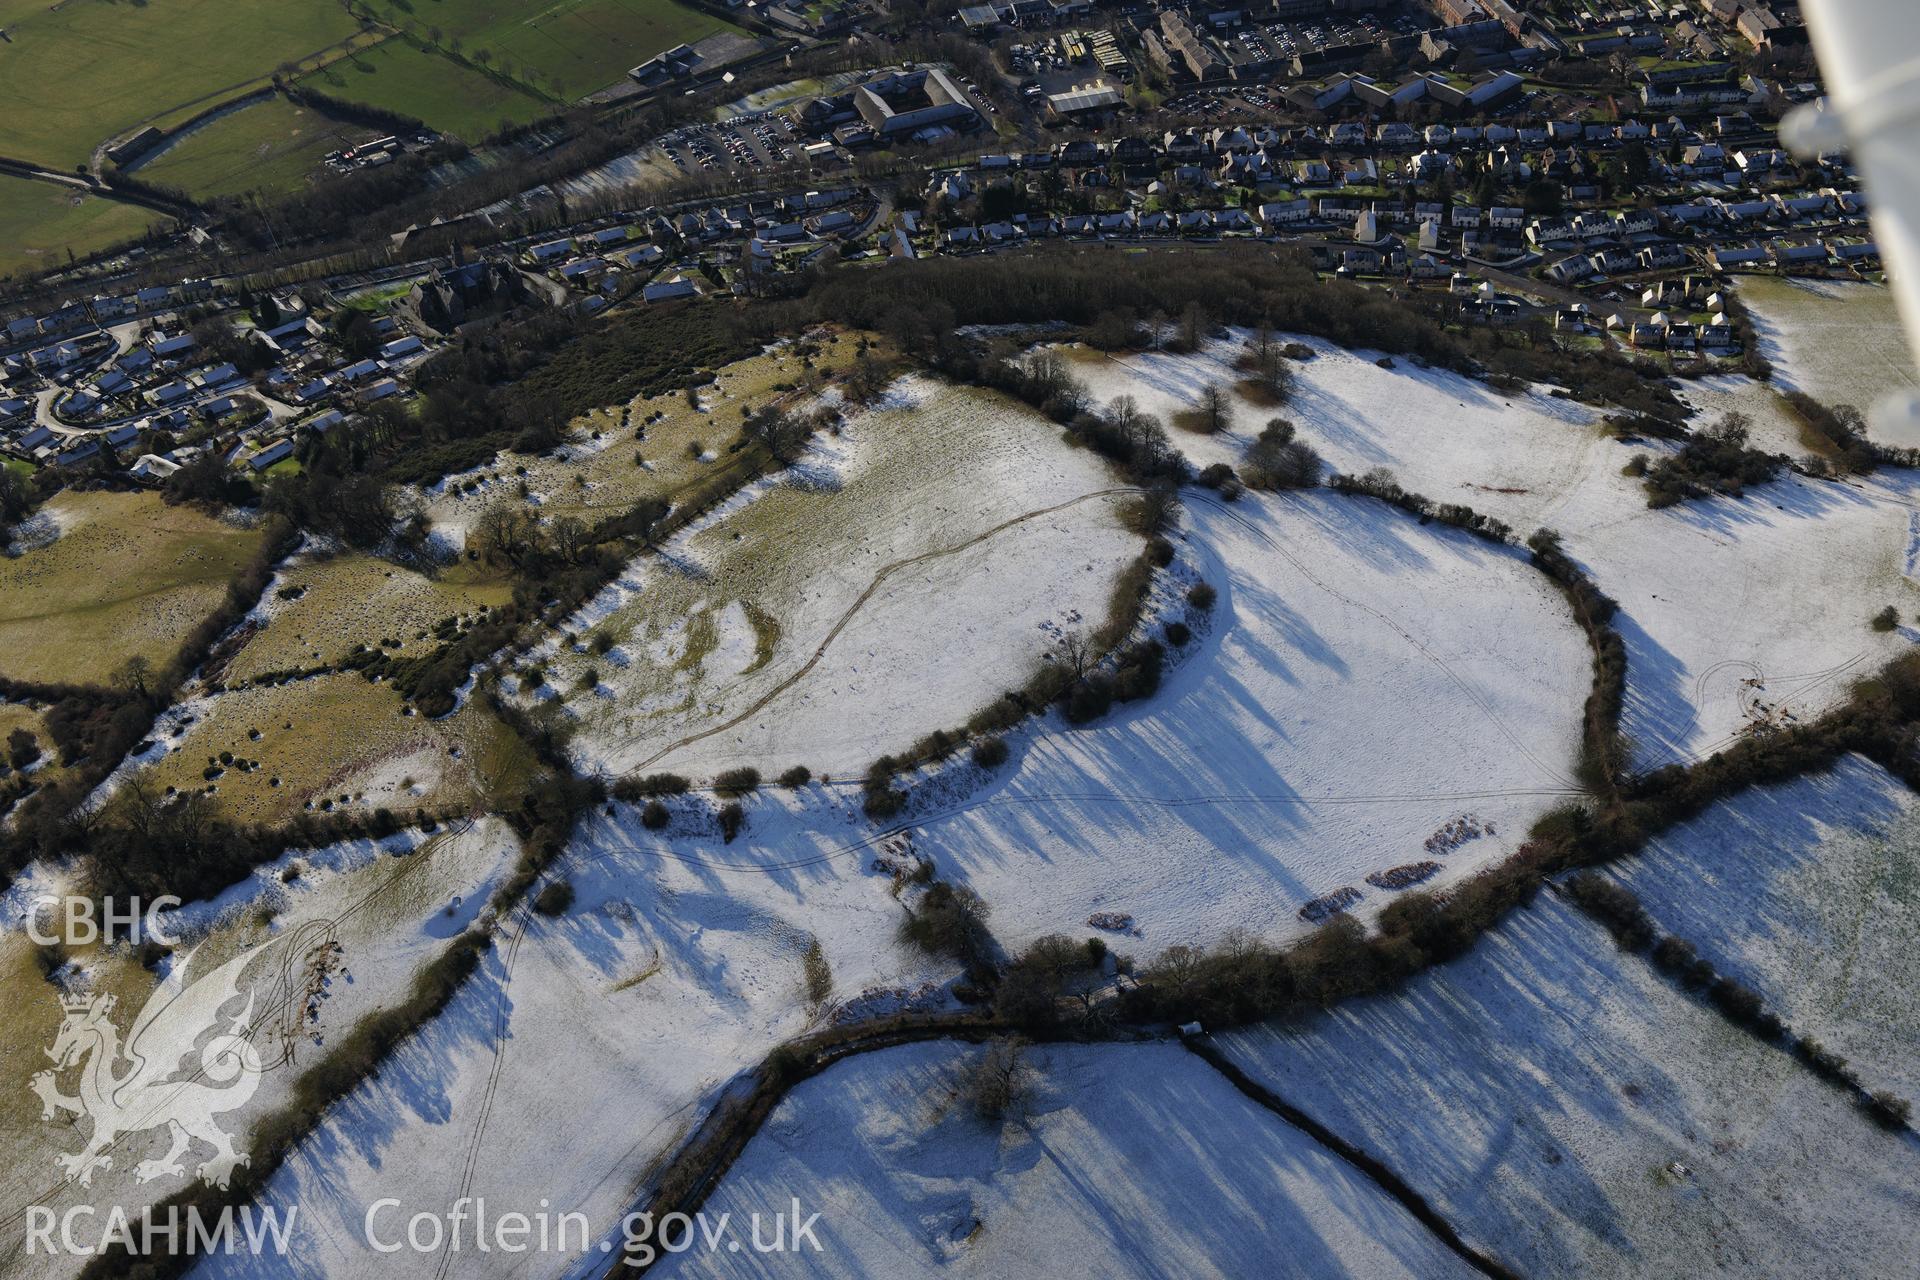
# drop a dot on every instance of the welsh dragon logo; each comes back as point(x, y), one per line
point(170, 1072)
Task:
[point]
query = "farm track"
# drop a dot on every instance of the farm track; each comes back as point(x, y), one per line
point(846, 618)
point(1568, 788)
point(1247, 523)
point(158, 526)
point(448, 1258)
point(118, 601)
point(718, 1161)
point(503, 1013)
point(887, 1038)
point(94, 187)
point(1807, 684)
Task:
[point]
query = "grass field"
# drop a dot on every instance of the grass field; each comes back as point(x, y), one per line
point(570, 48)
point(40, 222)
point(595, 475)
point(11, 11)
point(76, 74)
point(352, 600)
point(34, 1012)
point(398, 76)
point(270, 146)
point(128, 575)
point(43, 772)
point(339, 741)
point(16, 715)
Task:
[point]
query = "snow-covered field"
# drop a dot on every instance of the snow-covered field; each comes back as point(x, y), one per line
point(1128, 1161)
point(1739, 613)
point(1279, 761)
point(1774, 588)
point(901, 577)
point(1168, 386)
point(1810, 894)
point(1512, 455)
point(1774, 427)
point(1838, 341)
point(1575, 1115)
point(588, 1044)
point(1364, 682)
point(1366, 692)
point(1360, 683)
point(346, 927)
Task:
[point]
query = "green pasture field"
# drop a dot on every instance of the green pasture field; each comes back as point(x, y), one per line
point(41, 221)
point(447, 97)
point(128, 576)
point(572, 47)
point(271, 146)
point(76, 74)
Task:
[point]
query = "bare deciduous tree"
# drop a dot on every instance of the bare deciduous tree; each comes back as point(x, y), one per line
point(1195, 325)
point(867, 381)
point(1214, 408)
point(1153, 510)
point(998, 1081)
point(135, 676)
point(1271, 372)
point(571, 540)
point(505, 532)
point(819, 974)
point(1076, 654)
point(781, 433)
point(1177, 970)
